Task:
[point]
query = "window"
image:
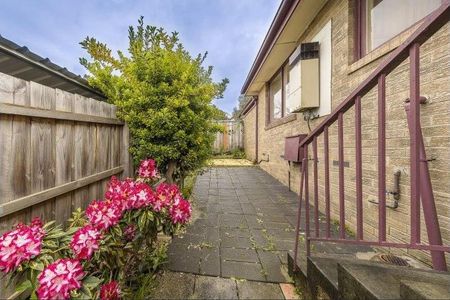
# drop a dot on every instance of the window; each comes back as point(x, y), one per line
point(281, 104)
point(378, 21)
point(292, 79)
point(276, 96)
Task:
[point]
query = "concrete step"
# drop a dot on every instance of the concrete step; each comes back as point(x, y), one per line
point(381, 281)
point(423, 290)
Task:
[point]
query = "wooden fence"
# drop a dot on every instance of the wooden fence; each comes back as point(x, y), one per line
point(57, 152)
point(230, 138)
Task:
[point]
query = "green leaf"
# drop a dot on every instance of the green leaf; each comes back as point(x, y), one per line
point(91, 282)
point(24, 286)
point(37, 265)
point(33, 296)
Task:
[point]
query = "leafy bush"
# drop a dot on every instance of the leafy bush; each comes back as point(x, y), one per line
point(164, 95)
point(105, 249)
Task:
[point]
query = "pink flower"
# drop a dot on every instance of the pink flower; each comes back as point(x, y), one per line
point(165, 194)
point(110, 291)
point(20, 245)
point(85, 241)
point(129, 194)
point(129, 232)
point(142, 196)
point(103, 214)
point(59, 278)
point(147, 169)
point(180, 211)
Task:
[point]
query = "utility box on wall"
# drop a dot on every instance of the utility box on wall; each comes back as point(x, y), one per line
point(292, 151)
point(310, 76)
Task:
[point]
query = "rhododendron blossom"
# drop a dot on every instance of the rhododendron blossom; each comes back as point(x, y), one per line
point(163, 196)
point(20, 245)
point(59, 278)
point(141, 196)
point(85, 241)
point(110, 291)
point(180, 211)
point(103, 214)
point(147, 169)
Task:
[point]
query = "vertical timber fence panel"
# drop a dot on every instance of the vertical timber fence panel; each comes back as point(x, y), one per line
point(57, 152)
point(230, 137)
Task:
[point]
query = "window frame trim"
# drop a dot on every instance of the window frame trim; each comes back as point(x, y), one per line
point(360, 30)
point(270, 118)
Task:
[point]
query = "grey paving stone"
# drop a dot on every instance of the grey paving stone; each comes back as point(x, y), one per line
point(234, 254)
point(243, 270)
point(210, 262)
point(214, 288)
point(232, 220)
point(275, 271)
point(236, 242)
point(259, 290)
point(282, 234)
point(174, 285)
point(254, 221)
point(184, 259)
point(234, 232)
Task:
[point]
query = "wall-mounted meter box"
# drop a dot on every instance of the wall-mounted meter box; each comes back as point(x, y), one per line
point(309, 67)
point(305, 63)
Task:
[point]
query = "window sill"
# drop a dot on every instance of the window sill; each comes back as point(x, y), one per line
point(281, 121)
point(383, 49)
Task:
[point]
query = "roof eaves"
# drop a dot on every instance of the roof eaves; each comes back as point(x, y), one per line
point(276, 27)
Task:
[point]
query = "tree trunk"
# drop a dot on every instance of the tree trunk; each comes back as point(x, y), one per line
point(170, 170)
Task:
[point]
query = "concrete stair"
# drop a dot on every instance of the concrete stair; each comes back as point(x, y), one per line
point(343, 277)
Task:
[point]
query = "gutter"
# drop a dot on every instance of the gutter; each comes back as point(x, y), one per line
point(77, 81)
point(250, 104)
point(282, 16)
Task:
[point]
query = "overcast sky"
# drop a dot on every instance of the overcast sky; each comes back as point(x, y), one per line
point(230, 30)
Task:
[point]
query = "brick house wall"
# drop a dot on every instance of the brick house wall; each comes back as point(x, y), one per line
point(346, 75)
point(250, 135)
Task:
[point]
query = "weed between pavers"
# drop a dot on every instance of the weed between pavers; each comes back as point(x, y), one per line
point(202, 245)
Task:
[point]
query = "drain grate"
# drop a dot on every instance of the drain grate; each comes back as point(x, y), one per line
point(394, 260)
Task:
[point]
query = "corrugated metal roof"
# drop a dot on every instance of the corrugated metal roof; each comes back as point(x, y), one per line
point(20, 62)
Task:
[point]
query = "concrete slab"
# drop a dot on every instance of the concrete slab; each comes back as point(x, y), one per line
point(233, 254)
point(214, 288)
point(259, 290)
point(242, 270)
point(173, 285)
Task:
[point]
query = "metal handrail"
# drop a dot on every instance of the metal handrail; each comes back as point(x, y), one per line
point(420, 183)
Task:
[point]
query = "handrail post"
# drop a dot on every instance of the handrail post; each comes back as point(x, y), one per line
point(299, 212)
point(327, 180)
point(382, 158)
point(316, 189)
point(414, 142)
point(307, 233)
point(341, 176)
point(429, 207)
point(358, 151)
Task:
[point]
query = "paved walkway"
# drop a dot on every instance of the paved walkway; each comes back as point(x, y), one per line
point(243, 227)
point(175, 285)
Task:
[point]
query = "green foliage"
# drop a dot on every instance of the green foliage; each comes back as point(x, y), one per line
point(163, 93)
point(219, 114)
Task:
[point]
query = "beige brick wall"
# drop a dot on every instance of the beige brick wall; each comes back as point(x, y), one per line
point(435, 116)
point(250, 134)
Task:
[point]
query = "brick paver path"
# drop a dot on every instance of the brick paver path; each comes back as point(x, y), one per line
point(243, 227)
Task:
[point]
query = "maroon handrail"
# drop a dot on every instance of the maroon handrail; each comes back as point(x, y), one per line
point(420, 183)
